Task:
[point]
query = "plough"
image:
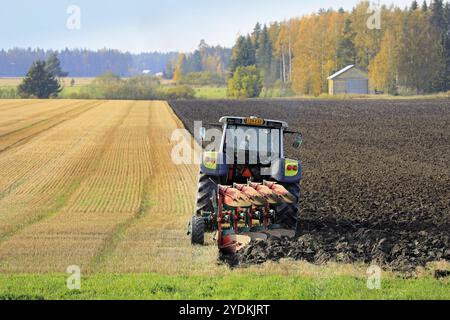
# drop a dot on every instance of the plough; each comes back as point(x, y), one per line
point(244, 214)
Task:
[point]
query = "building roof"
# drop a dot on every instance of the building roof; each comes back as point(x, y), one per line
point(341, 72)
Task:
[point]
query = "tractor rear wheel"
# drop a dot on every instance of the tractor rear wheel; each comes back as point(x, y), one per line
point(207, 188)
point(207, 191)
point(197, 230)
point(287, 214)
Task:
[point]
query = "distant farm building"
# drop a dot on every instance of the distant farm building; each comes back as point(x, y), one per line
point(350, 80)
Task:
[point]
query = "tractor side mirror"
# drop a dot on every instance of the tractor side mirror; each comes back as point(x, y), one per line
point(298, 141)
point(202, 133)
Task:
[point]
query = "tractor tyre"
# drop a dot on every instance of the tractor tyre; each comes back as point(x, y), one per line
point(287, 215)
point(207, 188)
point(197, 230)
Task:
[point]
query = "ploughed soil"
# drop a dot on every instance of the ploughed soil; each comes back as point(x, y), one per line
point(376, 184)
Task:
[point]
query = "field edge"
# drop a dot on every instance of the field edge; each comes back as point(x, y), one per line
point(231, 287)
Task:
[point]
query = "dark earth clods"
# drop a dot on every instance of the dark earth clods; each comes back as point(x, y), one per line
point(376, 184)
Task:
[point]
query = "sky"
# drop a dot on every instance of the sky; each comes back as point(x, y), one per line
point(145, 25)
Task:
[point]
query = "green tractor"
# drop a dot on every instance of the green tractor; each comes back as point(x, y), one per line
point(247, 189)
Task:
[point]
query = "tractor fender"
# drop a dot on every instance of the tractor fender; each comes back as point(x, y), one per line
point(281, 173)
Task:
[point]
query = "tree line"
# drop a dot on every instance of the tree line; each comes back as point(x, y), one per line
point(42, 81)
point(209, 63)
point(85, 63)
point(408, 54)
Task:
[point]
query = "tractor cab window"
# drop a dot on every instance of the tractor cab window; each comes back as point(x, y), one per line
point(252, 145)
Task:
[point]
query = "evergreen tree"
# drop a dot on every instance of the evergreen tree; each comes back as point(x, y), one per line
point(170, 69)
point(39, 82)
point(203, 46)
point(414, 5)
point(437, 20)
point(346, 52)
point(447, 46)
point(236, 55)
point(255, 35)
point(425, 6)
point(53, 65)
point(195, 62)
point(437, 15)
point(251, 52)
point(264, 55)
point(243, 54)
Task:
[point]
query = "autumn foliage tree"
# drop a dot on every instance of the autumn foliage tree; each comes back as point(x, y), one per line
point(245, 83)
point(314, 51)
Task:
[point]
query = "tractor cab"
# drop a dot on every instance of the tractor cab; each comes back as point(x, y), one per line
point(250, 144)
point(252, 148)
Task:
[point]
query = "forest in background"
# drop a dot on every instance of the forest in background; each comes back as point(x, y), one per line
point(408, 54)
point(86, 63)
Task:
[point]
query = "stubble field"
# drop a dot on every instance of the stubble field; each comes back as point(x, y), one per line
point(91, 183)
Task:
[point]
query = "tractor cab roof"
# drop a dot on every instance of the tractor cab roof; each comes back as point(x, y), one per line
point(254, 122)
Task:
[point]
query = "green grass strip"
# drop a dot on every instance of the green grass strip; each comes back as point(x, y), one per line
point(236, 286)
